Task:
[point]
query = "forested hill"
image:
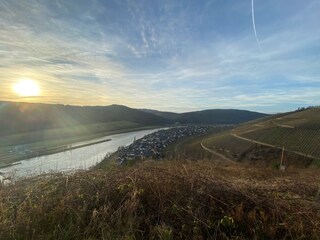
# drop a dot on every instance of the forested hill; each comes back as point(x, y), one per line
point(210, 116)
point(26, 117)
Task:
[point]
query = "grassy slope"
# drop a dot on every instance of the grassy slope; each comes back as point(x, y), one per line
point(174, 199)
point(190, 147)
point(164, 200)
point(297, 131)
point(277, 131)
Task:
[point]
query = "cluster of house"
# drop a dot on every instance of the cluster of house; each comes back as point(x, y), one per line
point(152, 145)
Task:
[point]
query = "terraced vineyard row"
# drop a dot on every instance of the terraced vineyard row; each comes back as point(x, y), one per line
point(274, 136)
point(306, 141)
point(301, 123)
point(227, 141)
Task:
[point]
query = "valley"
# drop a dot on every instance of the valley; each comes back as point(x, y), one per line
point(159, 120)
point(186, 180)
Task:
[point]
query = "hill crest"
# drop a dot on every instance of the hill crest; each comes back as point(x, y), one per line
point(25, 117)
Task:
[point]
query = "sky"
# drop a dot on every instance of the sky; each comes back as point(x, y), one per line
point(171, 55)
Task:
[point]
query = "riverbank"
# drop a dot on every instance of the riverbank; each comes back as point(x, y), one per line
point(152, 145)
point(9, 165)
point(11, 153)
point(80, 158)
point(56, 150)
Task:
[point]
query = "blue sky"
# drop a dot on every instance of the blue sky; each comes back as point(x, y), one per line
point(174, 55)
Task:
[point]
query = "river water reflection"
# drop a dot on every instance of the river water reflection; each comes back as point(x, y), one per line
point(77, 159)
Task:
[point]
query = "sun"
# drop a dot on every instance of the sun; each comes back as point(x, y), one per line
point(27, 88)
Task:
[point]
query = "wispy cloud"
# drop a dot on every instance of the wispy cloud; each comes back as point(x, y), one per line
point(168, 55)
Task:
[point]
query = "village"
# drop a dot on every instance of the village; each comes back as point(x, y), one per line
point(152, 145)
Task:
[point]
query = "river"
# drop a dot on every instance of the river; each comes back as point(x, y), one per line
point(76, 159)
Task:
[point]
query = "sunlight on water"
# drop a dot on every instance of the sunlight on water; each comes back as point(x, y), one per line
point(76, 159)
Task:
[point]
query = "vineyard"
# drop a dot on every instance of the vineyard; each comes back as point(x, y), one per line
point(305, 141)
point(226, 143)
point(297, 132)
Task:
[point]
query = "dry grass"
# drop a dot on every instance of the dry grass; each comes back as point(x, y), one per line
point(164, 200)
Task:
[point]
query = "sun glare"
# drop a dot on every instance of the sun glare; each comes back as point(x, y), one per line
point(27, 88)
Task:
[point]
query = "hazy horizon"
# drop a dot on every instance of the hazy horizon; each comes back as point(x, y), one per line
point(176, 56)
point(152, 109)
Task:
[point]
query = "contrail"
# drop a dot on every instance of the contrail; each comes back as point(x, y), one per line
point(254, 25)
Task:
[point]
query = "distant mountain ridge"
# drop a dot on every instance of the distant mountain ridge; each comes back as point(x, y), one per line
point(210, 116)
point(25, 117)
point(168, 115)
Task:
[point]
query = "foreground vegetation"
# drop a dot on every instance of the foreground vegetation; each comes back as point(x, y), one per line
point(164, 200)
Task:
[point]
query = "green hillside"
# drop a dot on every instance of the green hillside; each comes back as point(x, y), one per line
point(298, 133)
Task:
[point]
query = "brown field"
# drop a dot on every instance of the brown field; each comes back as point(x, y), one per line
point(165, 200)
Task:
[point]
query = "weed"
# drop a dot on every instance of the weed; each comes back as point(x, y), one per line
point(163, 200)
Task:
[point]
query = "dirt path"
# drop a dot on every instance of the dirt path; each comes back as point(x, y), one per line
point(253, 141)
point(221, 156)
point(282, 125)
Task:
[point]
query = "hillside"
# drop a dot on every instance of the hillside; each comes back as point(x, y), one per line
point(210, 198)
point(219, 116)
point(164, 200)
point(169, 115)
point(28, 117)
point(210, 116)
point(297, 133)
